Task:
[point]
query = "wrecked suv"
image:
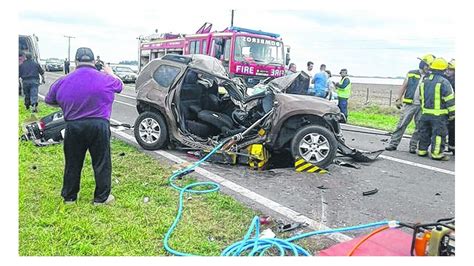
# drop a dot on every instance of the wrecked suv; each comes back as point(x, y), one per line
point(190, 101)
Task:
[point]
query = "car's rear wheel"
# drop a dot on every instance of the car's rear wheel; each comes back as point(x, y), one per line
point(315, 144)
point(150, 131)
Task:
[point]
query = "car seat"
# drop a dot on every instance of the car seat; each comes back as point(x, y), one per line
point(191, 96)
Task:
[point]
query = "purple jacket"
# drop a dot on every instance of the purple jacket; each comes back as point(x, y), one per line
point(85, 93)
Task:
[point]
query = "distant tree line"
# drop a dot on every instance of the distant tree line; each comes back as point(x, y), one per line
point(127, 62)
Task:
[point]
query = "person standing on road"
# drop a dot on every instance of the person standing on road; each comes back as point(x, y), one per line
point(437, 107)
point(409, 96)
point(86, 97)
point(330, 86)
point(99, 64)
point(30, 73)
point(66, 66)
point(451, 78)
point(343, 89)
point(309, 71)
point(320, 82)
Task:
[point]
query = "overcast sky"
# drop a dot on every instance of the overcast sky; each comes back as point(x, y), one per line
point(376, 38)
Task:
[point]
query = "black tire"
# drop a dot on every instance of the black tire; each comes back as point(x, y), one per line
point(315, 130)
point(154, 142)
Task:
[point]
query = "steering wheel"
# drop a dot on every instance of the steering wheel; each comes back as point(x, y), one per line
point(238, 116)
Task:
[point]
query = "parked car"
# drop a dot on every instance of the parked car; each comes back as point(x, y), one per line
point(43, 64)
point(126, 74)
point(54, 65)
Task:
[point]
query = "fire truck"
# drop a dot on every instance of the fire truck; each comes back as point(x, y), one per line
point(252, 55)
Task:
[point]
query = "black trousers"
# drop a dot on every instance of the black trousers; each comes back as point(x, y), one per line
point(451, 134)
point(433, 131)
point(30, 91)
point(91, 134)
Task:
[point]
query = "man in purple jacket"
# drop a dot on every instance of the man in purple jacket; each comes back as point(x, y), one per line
point(86, 97)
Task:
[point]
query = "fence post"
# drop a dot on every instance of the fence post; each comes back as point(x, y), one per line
point(367, 96)
point(390, 102)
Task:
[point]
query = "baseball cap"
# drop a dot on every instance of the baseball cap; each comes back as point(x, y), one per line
point(84, 54)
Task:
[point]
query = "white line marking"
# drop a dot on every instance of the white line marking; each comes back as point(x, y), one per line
point(370, 129)
point(323, 208)
point(126, 96)
point(359, 127)
point(125, 103)
point(432, 168)
point(285, 211)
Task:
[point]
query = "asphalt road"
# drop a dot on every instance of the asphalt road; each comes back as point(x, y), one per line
point(410, 188)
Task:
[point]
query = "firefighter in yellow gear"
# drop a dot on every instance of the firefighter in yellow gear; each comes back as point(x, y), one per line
point(437, 107)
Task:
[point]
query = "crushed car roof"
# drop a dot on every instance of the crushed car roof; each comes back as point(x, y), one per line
point(201, 62)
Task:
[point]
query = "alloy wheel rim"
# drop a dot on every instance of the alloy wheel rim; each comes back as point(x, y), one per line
point(314, 147)
point(149, 130)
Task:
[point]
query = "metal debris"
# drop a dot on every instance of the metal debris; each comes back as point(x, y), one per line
point(346, 164)
point(370, 192)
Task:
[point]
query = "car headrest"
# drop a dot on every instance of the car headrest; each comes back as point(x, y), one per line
point(191, 77)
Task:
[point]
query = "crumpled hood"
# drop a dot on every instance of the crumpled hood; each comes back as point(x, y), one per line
point(296, 83)
point(307, 103)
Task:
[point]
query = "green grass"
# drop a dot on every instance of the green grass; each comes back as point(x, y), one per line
point(130, 227)
point(373, 116)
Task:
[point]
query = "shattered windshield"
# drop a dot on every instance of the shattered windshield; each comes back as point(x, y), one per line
point(259, 50)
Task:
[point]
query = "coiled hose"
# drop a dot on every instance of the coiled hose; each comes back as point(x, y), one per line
point(251, 244)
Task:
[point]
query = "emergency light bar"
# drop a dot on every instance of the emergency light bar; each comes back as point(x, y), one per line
point(238, 29)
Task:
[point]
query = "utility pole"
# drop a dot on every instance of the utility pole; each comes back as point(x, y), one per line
point(140, 38)
point(232, 18)
point(69, 47)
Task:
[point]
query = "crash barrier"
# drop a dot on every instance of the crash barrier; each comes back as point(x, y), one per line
point(251, 244)
point(301, 165)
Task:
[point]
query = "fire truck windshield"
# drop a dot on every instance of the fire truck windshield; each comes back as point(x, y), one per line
point(258, 50)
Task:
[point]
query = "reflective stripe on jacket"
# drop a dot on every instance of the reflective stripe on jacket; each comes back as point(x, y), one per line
point(344, 90)
point(436, 96)
point(413, 78)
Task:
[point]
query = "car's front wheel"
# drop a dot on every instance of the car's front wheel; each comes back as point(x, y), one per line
point(315, 144)
point(150, 131)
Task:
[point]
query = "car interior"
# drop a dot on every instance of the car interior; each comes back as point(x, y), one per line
point(207, 112)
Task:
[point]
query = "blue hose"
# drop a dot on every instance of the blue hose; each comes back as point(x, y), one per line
point(251, 244)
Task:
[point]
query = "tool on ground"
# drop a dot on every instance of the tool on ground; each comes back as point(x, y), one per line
point(259, 157)
point(301, 165)
point(370, 192)
point(434, 239)
point(286, 227)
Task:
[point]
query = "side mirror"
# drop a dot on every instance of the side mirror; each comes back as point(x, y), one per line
point(287, 59)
